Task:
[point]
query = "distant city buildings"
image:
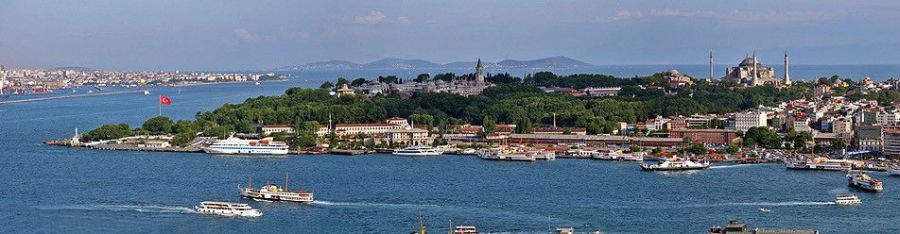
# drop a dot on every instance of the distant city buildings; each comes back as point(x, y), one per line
point(27, 81)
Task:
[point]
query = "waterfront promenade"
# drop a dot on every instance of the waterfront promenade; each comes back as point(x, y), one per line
point(71, 96)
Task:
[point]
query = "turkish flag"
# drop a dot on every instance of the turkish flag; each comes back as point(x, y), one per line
point(165, 100)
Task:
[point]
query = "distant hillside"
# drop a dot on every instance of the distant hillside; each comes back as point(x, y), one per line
point(551, 62)
point(323, 66)
point(558, 62)
point(397, 63)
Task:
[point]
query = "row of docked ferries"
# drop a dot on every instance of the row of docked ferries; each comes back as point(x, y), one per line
point(615, 155)
point(269, 192)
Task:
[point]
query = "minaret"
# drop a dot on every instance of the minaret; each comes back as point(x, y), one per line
point(2, 79)
point(787, 74)
point(710, 78)
point(755, 81)
point(479, 72)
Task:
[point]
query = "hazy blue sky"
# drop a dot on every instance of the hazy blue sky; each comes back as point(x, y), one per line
point(223, 35)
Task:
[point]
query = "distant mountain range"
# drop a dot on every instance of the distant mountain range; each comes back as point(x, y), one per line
point(558, 62)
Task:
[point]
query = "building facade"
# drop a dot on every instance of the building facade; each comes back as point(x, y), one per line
point(743, 121)
point(706, 136)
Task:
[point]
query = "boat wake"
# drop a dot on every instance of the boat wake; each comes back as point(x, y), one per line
point(123, 208)
point(767, 204)
point(331, 203)
point(732, 166)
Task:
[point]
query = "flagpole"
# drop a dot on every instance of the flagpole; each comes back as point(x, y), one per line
point(160, 105)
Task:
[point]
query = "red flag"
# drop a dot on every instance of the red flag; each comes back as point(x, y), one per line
point(165, 100)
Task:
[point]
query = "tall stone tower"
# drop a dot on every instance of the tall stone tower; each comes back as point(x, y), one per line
point(2, 79)
point(479, 72)
point(755, 80)
point(710, 78)
point(787, 74)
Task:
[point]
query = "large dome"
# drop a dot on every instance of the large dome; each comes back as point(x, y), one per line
point(748, 62)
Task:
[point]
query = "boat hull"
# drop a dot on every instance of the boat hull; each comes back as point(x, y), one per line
point(649, 168)
point(417, 154)
point(247, 151)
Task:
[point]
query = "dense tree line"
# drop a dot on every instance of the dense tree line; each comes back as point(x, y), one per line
point(514, 102)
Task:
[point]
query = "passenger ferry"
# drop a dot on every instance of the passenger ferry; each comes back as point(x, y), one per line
point(234, 145)
point(847, 199)
point(861, 180)
point(227, 209)
point(271, 192)
point(820, 163)
point(674, 164)
point(417, 151)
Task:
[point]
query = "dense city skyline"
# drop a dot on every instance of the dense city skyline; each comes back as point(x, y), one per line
point(170, 35)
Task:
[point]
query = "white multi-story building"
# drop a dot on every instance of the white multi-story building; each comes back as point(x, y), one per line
point(802, 125)
point(270, 129)
point(891, 143)
point(888, 118)
point(749, 119)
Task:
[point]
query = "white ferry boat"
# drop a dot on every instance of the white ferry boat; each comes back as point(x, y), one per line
point(234, 145)
point(507, 155)
point(674, 164)
point(417, 151)
point(227, 209)
point(271, 192)
point(634, 156)
point(819, 163)
point(894, 171)
point(861, 180)
point(847, 200)
point(544, 155)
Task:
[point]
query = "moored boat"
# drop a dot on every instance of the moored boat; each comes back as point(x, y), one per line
point(820, 163)
point(847, 199)
point(227, 209)
point(417, 151)
point(507, 155)
point(271, 192)
point(863, 181)
point(674, 164)
point(894, 171)
point(233, 145)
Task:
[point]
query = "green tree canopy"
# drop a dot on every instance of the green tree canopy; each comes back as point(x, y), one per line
point(159, 125)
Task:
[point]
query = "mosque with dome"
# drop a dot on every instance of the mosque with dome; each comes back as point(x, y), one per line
point(751, 72)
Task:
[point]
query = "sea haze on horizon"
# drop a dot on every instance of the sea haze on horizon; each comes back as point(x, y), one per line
point(878, 72)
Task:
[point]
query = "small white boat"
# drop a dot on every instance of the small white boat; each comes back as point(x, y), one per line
point(848, 199)
point(764, 210)
point(417, 151)
point(257, 83)
point(227, 209)
point(146, 92)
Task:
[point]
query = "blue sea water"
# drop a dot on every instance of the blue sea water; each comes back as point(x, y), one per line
point(54, 189)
